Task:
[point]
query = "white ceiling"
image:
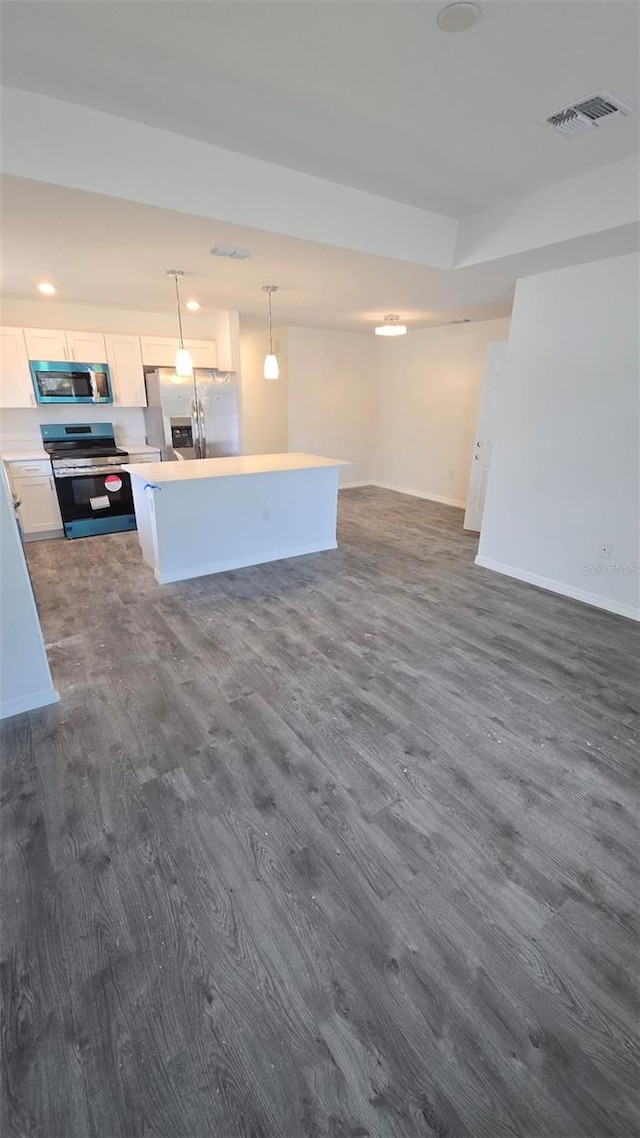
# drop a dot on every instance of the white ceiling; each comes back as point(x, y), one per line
point(370, 95)
point(100, 250)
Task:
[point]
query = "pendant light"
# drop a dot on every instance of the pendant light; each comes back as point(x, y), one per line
point(184, 363)
point(391, 327)
point(271, 366)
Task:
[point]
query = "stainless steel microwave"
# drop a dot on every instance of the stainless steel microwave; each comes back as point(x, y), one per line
point(70, 382)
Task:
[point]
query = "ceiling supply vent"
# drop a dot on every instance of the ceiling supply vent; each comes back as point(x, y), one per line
point(586, 113)
point(231, 253)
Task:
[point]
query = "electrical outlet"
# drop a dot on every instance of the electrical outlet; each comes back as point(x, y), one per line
point(451, 474)
point(603, 549)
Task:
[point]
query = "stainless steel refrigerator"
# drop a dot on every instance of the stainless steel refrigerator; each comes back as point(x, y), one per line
point(195, 417)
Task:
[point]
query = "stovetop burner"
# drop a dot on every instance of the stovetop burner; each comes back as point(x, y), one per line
point(75, 450)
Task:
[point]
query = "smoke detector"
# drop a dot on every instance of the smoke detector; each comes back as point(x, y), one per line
point(459, 17)
point(586, 113)
point(231, 252)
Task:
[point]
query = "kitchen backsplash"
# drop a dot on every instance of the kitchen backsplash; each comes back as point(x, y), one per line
point(22, 425)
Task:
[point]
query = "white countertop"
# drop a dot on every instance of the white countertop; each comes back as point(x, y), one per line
point(138, 448)
point(32, 453)
point(194, 469)
point(24, 453)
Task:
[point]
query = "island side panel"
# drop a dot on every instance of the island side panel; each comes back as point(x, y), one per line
point(144, 507)
point(211, 525)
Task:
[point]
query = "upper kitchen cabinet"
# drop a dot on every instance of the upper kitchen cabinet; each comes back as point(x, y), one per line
point(160, 351)
point(46, 344)
point(16, 388)
point(203, 352)
point(124, 357)
point(86, 347)
point(57, 345)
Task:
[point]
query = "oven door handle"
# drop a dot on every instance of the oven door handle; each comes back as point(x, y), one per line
point(89, 472)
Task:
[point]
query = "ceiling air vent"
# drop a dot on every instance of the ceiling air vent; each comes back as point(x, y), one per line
point(231, 252)
point(586, 113)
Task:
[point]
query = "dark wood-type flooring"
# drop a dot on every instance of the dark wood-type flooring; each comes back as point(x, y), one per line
point(339, 846)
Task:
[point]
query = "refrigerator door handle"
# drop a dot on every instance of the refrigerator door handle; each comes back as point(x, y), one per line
point(202, 444)
point(195, 426)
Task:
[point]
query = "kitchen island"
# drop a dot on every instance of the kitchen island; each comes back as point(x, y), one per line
point(210, 515)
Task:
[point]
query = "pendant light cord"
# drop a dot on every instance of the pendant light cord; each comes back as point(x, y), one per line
point(270, 338)
point(179, 313)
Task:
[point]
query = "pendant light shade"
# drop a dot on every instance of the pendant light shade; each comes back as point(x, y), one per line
point(391, 327)
point(184, 363)
point(271, 365)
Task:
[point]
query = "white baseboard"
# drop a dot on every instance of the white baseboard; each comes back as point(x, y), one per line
point(46, 535)
point(353, 485)
point(420, 494)
point(240, 562)
point(587, 598)
point(28, 703)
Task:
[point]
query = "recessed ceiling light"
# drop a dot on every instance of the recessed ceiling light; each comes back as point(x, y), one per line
point(193, 305)
point(459, 17)
point(391, 327)
point(47, 288)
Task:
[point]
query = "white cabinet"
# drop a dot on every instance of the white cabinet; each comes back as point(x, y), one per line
point(46, 344)
point(39, 511)
point(32, 483)
point(160, 351)
point(203, 352)
point(16, 388)
point(57, 345)
point(124, 357)
point(86, 347)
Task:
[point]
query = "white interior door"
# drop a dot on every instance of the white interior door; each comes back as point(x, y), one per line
point(483, 442)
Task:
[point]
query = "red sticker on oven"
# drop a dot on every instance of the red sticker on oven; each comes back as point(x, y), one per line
point(113, 483)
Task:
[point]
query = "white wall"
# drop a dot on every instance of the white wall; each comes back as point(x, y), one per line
point(332, 394)
point(564, 474)
point(402, 411)
point(263, 402)
point(25, 679)
point(32, 312)
point(20, 426)
point(51, 140)
point(429, 385)
point(593, 202)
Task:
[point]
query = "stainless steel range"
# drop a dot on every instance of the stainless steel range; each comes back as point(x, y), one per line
point(93, 490)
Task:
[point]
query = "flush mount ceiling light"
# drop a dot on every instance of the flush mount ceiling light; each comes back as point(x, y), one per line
point(459, 17)
point(192, 305)
point(391, 327)
point(271, 366)
point(184, 363)
point(46, 288)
